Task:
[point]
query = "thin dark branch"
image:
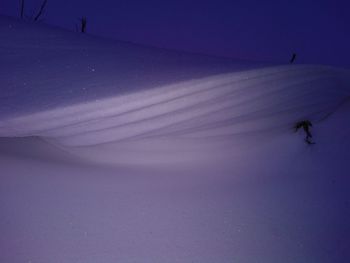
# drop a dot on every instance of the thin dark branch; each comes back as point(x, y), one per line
point(293, 58)
point(83, 24)
point(22, 9)
point(41, 10)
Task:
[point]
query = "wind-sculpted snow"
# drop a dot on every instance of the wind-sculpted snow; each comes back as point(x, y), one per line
point(111, 100)
point(215, 112)
point(44, 67)
point(248, 188)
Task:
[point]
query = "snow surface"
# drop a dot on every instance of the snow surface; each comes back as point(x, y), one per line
point(114, 152)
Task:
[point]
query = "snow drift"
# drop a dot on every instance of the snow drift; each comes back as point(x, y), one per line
point(71, 110)
point(268, 197)
point(221, 109)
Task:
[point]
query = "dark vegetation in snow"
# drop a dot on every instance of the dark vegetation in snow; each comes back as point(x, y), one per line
point(41, 10)
point(306, 125)
point(293, 58)
point(22, 9)
point(38, 14)
point(83, 23)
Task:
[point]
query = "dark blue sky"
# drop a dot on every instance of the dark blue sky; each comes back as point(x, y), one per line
point(318, 31)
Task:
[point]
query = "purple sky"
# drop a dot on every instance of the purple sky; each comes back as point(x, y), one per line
point(318, 31)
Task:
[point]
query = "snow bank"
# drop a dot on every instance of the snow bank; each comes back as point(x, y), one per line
point(224, 109)
point(261, 194)
point(103, 99)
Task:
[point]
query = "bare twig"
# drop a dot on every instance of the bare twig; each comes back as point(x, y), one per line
point(83, 22)
point(41, 10)
point(22, 9)
point(293, 58)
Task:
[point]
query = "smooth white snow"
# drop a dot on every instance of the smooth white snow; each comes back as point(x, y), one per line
point(227, 179)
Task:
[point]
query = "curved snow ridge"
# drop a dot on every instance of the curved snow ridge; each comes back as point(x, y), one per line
point(221, 108)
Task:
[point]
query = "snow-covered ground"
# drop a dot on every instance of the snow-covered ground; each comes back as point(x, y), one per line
point(114, 152)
